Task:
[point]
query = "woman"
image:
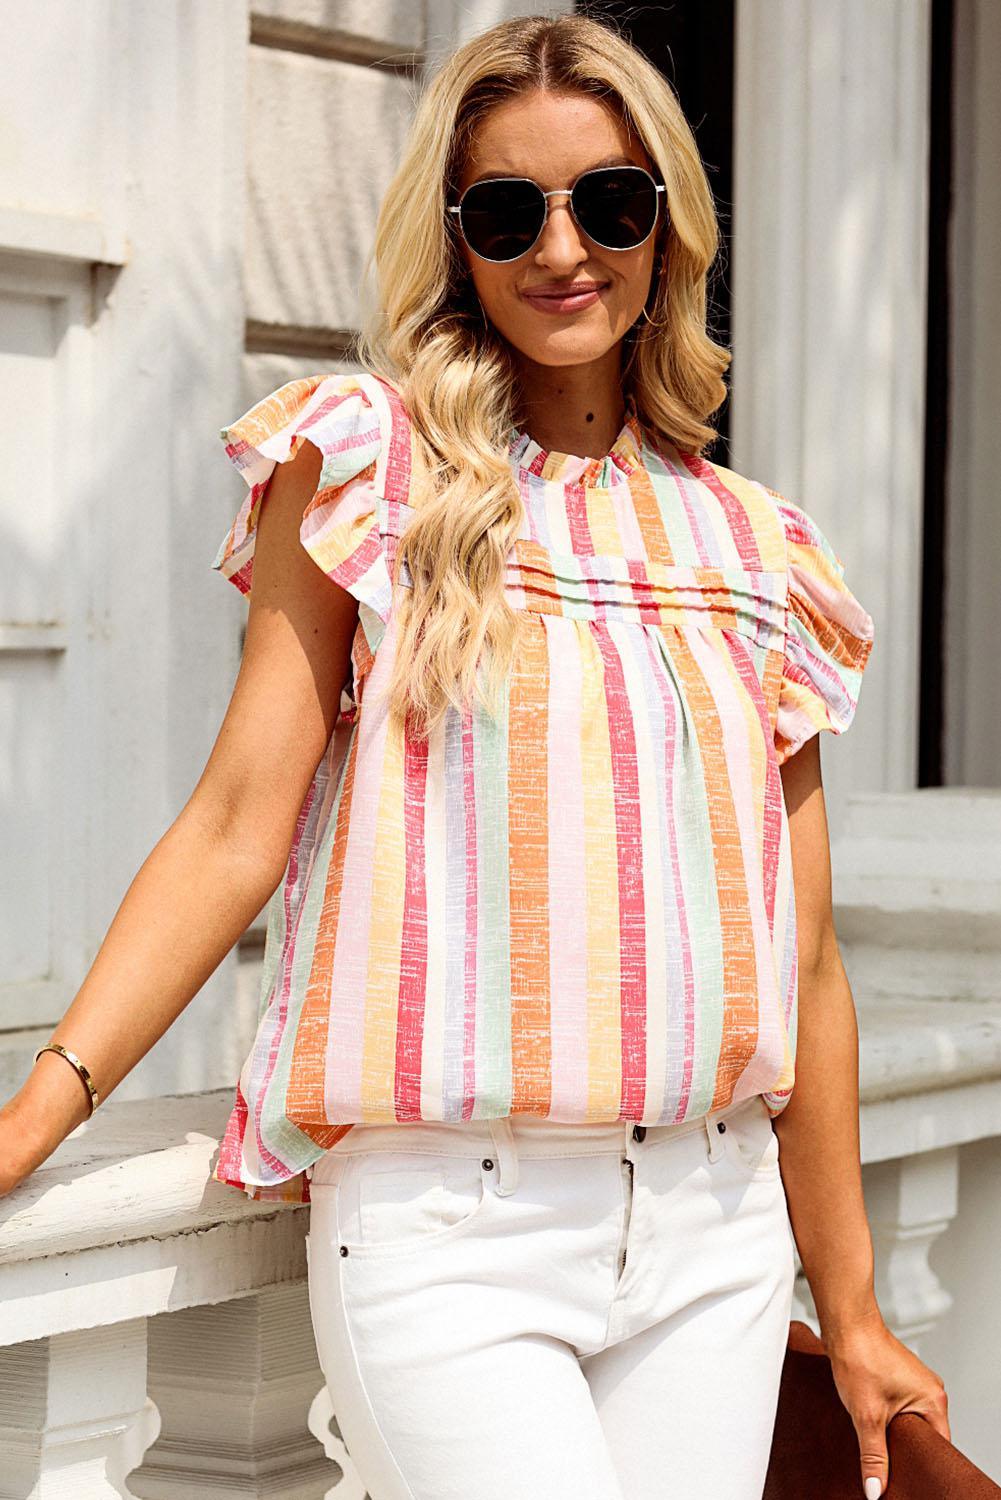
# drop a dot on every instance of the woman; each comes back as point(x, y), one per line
point(536, 787)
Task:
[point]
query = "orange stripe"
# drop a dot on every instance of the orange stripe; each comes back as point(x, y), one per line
point(651, 522)
point(837, 640)
point(740, 974)
point(305, 1101)
point(528, 856)
point(274, 412)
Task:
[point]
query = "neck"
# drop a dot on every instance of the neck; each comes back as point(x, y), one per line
point(577, 409)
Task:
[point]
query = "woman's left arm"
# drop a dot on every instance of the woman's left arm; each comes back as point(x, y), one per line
point(876, 1375)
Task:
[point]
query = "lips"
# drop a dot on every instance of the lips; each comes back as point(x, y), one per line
point(559, 293)
point(566, 299)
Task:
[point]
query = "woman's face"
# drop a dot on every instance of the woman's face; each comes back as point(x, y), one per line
point(553, 138)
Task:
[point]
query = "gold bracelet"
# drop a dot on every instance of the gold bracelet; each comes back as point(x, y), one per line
point(84, 1072)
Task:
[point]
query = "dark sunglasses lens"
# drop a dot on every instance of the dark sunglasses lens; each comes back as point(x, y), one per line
point(501, 220)
point(616, 206)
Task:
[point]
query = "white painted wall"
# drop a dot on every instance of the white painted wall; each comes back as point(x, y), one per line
point(829, 293)
point(122, 142)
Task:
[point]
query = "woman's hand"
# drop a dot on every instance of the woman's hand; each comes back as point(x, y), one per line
point(877, 1376)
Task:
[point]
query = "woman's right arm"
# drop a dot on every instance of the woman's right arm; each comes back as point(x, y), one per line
point(225, 853)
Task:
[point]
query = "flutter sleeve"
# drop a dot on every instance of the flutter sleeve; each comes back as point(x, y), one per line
point(350, 419)
point(829, 637)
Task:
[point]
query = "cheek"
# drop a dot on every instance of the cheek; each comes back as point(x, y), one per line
point(638, 283)
point(496, 290)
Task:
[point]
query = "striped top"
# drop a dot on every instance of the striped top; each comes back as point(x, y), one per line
point(582, 909)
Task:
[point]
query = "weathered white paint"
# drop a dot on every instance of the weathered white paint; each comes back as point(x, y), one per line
point(324, 138)
point(829, 292)
point(398, 23)
point(109, 376)
point(917, 883)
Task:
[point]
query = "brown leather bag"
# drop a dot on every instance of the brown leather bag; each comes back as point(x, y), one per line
point(815, 1449)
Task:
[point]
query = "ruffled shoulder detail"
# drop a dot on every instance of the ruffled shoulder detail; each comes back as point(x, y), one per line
point(829, 637)
point(358, 423)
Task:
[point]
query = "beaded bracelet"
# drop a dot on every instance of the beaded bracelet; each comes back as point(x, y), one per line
point(84, 1072)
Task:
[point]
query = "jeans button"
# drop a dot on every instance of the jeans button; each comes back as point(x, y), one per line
point(639, 1131)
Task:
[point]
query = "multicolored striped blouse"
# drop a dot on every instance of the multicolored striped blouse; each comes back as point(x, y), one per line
point(581, 909)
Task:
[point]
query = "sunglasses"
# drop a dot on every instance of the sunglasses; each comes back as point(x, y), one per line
point(502, 217)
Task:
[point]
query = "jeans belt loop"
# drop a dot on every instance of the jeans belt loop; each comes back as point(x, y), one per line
point(506, 1152)
point(715, 1138)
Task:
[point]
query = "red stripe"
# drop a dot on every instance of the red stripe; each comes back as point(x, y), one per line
point(629, 857)
point(414, 941)
point(739, 522)
point(472, 917)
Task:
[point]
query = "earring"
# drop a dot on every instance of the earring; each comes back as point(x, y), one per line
point(654, 322)
point(658, 271)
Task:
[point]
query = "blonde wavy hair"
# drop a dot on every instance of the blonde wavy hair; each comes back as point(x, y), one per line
point(427, 334)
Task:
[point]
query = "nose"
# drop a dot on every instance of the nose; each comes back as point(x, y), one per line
point(560, 246)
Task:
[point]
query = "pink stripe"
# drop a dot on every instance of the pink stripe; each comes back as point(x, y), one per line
point(647, 609)
point(323, 411)
point(414, 941)
point(827, 691)
point(284, 976)
point(472, 918)
point(567, 858)
point(629, 856)
point(349, 978)
point(534, 518)
point(229, 1167)
point(739, 522)
point(628, 521)
point(397, 466)
point(672, 710)
point(737, 758)
point(581, 542)
point(243, 577)
point(830, 597)
point(366, 556)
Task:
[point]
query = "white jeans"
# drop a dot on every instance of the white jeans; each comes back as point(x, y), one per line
point(516, 1308)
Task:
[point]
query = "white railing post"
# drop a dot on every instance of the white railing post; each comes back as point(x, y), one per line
point(910, 1202)
point(322, 1424)
point(75, 1418)
point(234, 1384)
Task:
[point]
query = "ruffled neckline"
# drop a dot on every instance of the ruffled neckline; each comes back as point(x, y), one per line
point(573, 468)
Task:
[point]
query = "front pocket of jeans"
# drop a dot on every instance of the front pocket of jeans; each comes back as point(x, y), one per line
point(395, 1208)
point(753, 1144)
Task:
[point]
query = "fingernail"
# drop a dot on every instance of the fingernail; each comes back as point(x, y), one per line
point(873, 1488)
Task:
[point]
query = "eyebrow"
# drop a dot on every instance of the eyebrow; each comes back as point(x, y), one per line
point(616, 160)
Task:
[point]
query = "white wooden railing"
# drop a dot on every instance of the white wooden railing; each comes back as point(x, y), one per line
point(149, 1310)
point(155, 1337)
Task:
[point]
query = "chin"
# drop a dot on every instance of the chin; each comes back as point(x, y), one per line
point(565, 346)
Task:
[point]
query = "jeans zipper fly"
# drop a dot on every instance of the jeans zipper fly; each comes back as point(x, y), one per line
point(626, 1216)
